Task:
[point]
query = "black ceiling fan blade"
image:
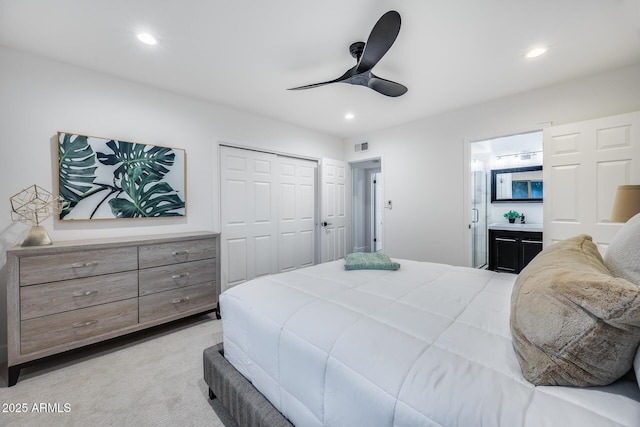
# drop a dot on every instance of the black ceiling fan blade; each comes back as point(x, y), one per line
point(386, 87)
point(382, 37)
point(313, 85)
point(347, 75)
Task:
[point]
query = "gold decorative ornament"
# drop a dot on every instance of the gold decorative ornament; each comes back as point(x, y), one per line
point(32, 206)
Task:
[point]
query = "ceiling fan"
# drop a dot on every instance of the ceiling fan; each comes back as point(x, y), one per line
point(383, 35)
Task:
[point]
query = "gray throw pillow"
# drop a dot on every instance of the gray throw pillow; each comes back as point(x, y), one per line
point(623, 254)
point(572, 322)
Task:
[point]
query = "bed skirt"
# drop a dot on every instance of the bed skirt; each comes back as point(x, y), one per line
point(247, 406)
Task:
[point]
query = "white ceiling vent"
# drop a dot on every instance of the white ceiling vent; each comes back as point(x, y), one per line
point(362, 147)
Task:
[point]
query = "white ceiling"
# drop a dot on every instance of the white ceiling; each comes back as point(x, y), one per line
point(245, 54)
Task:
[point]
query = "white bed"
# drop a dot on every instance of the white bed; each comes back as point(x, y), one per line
point(426, 345)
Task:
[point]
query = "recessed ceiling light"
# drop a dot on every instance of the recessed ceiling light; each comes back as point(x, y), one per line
point(349, 116)
point(536, 52)
point(147, 38)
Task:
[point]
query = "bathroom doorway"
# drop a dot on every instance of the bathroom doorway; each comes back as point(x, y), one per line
point(512, 151)
point(367, 206)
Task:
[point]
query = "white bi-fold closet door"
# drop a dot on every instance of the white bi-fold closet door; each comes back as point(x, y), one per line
point(268, 214)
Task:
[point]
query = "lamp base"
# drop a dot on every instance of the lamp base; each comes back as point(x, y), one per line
point(37, 236)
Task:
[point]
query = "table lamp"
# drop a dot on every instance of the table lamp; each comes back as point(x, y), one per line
point(33, 205)
point(626, 204)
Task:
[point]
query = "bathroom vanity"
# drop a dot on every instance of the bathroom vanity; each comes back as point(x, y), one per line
point(513, 246)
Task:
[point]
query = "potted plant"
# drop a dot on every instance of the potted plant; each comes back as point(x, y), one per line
point(511, 216)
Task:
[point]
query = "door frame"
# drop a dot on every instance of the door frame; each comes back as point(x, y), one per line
point(355, 165)
point(466, 181)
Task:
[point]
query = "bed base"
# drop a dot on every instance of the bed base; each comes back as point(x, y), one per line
point(247, 406)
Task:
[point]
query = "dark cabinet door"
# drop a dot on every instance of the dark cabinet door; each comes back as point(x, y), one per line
point(511, 251)
point(529, 249)
point(507, 254)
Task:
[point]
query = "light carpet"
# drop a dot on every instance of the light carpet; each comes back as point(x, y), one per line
point(153, 378)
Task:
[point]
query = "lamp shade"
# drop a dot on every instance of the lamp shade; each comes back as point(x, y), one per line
point(626, 204)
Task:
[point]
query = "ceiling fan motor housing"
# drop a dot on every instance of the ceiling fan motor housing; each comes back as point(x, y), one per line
point(356, 50)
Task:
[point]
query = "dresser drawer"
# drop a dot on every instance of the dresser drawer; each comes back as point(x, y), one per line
point(58, 297)
point(73, 265)
point(174, 276)
point(175, 252)
point(74, 326)
point(168, 304)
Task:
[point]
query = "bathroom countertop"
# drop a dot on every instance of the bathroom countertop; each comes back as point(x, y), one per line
point(515, 227)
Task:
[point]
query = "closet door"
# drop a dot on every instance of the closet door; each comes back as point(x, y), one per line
point(583, 165)
point(249, 214)
point(296, 214)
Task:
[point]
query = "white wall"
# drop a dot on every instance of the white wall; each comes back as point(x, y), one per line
point(39, 97)
point(423, 161)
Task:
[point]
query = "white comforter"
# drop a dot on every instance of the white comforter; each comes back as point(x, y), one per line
point(427, 345)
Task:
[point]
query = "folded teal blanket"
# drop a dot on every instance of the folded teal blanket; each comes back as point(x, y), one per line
point(369, 261)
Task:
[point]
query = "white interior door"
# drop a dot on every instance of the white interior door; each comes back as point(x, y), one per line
point(583, 165)
point(333, 221)
point(249, 213)
point(296, 215)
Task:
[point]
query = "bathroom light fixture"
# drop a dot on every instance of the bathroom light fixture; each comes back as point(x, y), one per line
point(524, 156)
point(349, 116)
point(147, 38)
point(535, 52)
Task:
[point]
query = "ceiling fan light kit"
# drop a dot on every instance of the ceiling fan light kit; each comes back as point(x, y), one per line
point(367, 55)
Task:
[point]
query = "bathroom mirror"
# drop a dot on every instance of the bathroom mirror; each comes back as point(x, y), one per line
point(517, 184)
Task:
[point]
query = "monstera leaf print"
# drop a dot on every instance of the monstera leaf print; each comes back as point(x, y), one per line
point(130, 180)
point(147, 197)
point(152, 160)
point(76, 163)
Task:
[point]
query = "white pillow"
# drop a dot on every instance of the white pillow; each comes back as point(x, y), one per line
point(623, 260)
point(623, 254)
point(636, 365)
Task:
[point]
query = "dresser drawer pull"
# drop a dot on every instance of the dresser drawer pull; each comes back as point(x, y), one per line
point(85, 293)
point(502, 239)
point(84, 264)
point(180, 276)
point(532, 241)
point(85, 324)
point(185, 252)
point(179, 300)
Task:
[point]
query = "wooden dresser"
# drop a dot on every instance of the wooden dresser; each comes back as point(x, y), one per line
point(76, 293)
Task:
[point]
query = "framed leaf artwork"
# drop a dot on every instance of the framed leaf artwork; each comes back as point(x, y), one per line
point(103, 178)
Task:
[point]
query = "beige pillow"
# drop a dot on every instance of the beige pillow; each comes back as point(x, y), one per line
point(572, 322)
